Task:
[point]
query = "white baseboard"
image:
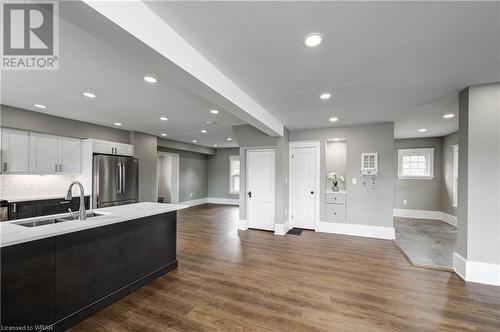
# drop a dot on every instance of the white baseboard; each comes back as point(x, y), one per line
point(226, 201)
point(282, 229)
point(378, 232)
point(423, 214)
point(243, 225)
point(195, 202)
point(484, 273)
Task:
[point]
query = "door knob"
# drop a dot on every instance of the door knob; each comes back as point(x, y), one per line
point(249, 194)
point(312, 192)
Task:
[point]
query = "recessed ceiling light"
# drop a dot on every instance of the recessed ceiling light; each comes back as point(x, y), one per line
point(150, 79)
point(334, 119)
point(204, 131)
point(211, 122)
point(325, 96)
point(214, 111)
point(163, 118)
point(229, 139)
point(195, 141)
point(422, 130)
point(215, 145)
point(118, 124)
point(164, 135)
point(449, 116)
point(89, 94)
point(313, 40)
point(40, 106)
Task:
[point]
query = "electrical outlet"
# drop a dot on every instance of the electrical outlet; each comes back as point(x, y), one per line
point(286, 211)
point(190, 194)
point(354, 181)
point(405, 202)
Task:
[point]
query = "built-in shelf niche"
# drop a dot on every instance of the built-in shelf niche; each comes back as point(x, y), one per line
point(336, 160)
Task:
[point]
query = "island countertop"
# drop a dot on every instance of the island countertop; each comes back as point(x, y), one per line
point(11, 234)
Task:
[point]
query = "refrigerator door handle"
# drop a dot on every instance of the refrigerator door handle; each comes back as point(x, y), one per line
point(123, 179)
point(120, 179)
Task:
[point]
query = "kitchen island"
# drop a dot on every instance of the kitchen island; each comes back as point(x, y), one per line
point(57, 274)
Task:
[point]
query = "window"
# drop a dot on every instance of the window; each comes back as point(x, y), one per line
point(416, 163)
point(455, 175)
point(234, 174)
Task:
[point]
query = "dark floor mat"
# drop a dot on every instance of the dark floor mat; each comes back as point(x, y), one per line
point(295, 231)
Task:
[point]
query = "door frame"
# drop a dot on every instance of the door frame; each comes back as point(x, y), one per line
point(177, 161)
point(247, 205)
point(305, 144)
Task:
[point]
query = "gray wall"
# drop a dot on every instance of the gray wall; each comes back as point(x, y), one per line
point(336, 158)
point(281, 180)
point(364, 206)
point(447, 188)
point(218, 173)
point(34, 121)
point(193, 174)
point(483, 222)
point(145, 147)
point(421, 194)
point(463, 172)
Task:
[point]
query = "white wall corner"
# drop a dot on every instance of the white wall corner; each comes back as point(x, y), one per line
point(225, 201)
point(484, 273)
point(195, 202)
point(282, 229)
point(242, 225)
point(377, 232)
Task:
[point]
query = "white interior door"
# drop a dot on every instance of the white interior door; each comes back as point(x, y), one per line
point(260, 189)
point(303, 187)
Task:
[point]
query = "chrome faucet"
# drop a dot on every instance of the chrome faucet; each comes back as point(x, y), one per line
point(69, 196)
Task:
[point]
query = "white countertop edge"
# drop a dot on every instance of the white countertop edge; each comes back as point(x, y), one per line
point(11, 234)
point(18, 199)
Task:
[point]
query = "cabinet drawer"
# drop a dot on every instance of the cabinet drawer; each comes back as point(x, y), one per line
point(335, 213)
point(335, 198)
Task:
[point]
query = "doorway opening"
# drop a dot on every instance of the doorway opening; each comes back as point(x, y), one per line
point(167, 178)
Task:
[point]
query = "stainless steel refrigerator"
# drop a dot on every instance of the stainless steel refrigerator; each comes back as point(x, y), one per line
point(115, 181)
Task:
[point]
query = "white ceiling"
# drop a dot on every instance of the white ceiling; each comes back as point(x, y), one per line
point(392, 61)
point(97, 56)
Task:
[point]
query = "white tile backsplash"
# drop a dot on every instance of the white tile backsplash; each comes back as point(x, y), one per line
point(33, 186)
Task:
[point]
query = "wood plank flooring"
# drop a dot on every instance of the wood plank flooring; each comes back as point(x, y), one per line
point(230, 280)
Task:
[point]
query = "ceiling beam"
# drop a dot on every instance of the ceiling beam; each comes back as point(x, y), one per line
point(140, 21)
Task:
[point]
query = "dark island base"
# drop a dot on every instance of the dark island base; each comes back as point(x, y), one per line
point(54, 283)
point(93, 308)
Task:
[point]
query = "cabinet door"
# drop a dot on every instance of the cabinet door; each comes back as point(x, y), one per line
point(124, 149)
point(15, 151)
point(43, 153)
point(103, 147)
point(69, 155)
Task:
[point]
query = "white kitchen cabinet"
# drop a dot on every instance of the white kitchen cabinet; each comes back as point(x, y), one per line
point(54, 154)
point(106, 147)
point(43, 154)
point(15, 151)
point(69, 155)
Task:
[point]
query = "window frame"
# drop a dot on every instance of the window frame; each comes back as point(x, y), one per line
point(411, 152)
point(231, 176)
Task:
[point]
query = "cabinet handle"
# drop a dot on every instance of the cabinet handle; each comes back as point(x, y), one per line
point(60, 167)
point(14, 207)
point(55, 167)
point(64, 202)
point(5, 166)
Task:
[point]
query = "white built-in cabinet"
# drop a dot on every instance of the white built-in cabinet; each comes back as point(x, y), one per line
point(15, 151)
point(335, 206)
point(36, 153)
point(106, 147)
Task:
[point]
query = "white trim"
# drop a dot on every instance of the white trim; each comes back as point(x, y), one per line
point(305, 144)
point(424, 214)
point(282, 229)
point(484, 273)
point(409, 152)
point(231, 159)
point(378, 232)
point(195, 202)
point(226, 201)
point(242, 225)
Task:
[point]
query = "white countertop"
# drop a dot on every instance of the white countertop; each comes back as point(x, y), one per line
point(16, 199)
point(11, 234)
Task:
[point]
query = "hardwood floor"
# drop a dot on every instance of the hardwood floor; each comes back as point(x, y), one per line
point(256, 281)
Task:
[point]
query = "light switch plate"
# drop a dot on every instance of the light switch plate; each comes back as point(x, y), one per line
point(354, 181)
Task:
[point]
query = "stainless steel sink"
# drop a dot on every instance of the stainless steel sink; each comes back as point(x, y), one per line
point(49, 221)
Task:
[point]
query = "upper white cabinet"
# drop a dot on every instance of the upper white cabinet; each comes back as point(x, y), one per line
point(15, 151)
point(29, 152)
point(107, 147)
point(54, 154)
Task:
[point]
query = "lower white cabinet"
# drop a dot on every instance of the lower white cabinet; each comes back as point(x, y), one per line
point(14, 151)
point(335, 207)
